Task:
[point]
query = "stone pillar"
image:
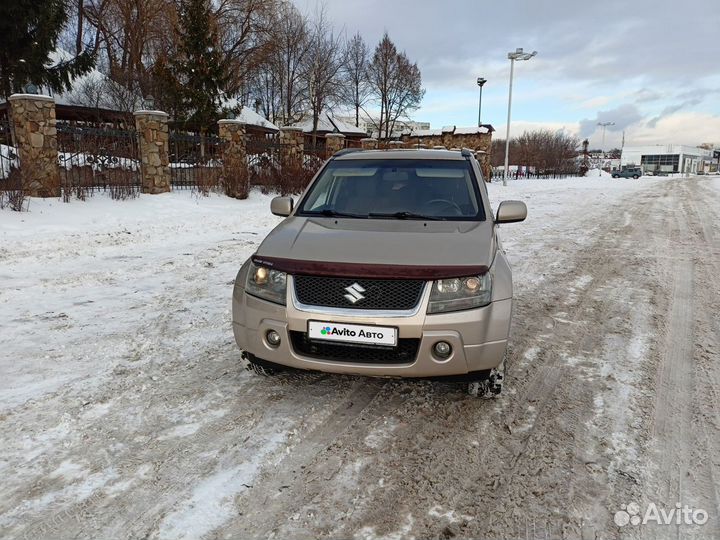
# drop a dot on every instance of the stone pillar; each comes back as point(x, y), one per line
point(153, 138)
point(234, 158)
point(293, 146)
point(484, 160)
point(369, 143)
point(334, 142)
point(33, 119)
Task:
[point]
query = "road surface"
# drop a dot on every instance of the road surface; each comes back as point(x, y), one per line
point(613, 397)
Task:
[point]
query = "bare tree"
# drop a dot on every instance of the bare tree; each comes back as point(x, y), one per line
point(356, 86)
point(131, 35)
point(321, 72)
point(405, 94)
point(396, 85)
point(292, 40)
point(547, 150)
point(265, 92)
point(246, 30)
point(544, 151)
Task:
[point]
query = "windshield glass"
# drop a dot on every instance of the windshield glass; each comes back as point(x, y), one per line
point(395, 189)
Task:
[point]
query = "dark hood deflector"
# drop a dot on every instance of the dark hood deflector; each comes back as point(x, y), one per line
point(359, 270)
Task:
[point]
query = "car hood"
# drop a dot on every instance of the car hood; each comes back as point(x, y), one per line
point(382, 242)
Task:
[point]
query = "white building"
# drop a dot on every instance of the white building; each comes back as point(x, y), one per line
point(667, 158)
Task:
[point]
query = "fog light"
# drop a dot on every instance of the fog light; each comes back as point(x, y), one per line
point(273, 338)
point(442, 349)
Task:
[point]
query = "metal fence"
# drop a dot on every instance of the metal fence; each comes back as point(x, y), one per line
point(98, 157)
point(195, 160)
point(9, 159)
point(265, 158)
point(517, 175)
point(318, 148)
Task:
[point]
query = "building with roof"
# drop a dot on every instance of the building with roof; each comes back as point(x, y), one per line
point(667, 158)
point(329, 123)
point(369, 125)
point(255, 122)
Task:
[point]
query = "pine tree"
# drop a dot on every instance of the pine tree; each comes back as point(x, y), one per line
point(199, 64)
point(29, 31)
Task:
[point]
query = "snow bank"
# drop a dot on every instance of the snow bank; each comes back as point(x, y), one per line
point(598, 173)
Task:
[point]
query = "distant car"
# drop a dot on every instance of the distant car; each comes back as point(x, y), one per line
point(628, 173)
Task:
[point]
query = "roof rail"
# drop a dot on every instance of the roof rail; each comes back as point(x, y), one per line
point(346, 151)
point(466, 153)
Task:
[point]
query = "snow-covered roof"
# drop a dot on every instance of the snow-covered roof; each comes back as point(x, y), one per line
point(345, 127)
point(324, 124)
point(247, 115)
point(329, 124)
point(473, 130)
point(251, 118)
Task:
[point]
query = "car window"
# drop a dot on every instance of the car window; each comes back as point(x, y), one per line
point(439, 189)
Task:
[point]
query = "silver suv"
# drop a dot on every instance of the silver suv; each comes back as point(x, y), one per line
point(389, 265)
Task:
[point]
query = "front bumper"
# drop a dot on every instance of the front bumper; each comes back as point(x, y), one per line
point(478, 337)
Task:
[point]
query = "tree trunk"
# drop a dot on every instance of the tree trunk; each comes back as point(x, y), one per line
point(78, 39)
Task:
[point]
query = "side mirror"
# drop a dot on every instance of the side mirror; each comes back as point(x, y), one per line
point(281, 206)
point(511, 212)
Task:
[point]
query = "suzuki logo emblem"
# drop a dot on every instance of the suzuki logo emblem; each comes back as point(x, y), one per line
point(354, 293)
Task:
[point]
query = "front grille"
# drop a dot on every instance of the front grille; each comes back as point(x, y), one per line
point(390, 294)
point(404, 353)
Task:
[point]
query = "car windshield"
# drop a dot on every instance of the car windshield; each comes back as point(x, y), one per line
point(395, 189)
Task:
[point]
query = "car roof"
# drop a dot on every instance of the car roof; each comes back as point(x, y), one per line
point(401, 154)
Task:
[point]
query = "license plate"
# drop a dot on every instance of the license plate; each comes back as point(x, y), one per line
point(352, 333)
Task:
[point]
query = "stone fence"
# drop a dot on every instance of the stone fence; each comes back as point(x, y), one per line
point(34, 127)
point(34, 135)
point(480, 141)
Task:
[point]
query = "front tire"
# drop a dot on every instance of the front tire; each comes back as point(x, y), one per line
point(490, 387)
point(260, 367)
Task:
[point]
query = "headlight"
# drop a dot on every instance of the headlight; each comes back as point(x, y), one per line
point(266, 283)
point(460, 293)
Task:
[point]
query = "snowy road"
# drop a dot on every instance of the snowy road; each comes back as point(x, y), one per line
point(125, 412)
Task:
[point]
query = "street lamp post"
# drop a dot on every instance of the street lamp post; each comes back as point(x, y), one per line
point(481, 82)
point(603, 125)
point(512, 56)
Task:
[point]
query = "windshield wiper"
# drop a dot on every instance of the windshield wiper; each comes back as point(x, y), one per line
point(327, 212)
point(404, 215)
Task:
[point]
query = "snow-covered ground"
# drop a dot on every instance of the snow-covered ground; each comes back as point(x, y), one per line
point(125, 412)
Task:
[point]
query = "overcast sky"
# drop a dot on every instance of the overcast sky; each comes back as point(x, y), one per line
point(650, 66)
